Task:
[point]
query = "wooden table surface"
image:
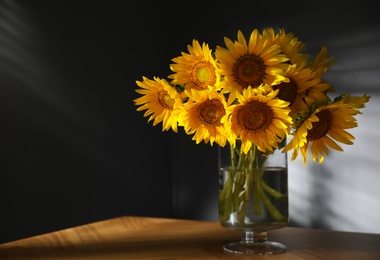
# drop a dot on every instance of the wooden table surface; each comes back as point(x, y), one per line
point(159, 238)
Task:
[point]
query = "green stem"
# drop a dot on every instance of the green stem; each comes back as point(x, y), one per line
point(276, 214)
point(272, 191)
point(233, 157)
point(257, 209)
point(225, 198)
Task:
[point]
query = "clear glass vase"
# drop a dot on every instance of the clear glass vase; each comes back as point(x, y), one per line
point(253, 198)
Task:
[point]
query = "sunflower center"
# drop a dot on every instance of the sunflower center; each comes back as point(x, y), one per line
point(249, 70)
point(255, 116)
point(211, 112)
point(287, 91)
point(203, 74)
point(322, 127)
point(165, 100)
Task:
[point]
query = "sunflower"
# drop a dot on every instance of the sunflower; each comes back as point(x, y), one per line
point(161, 102)
point(317, 93)
point(204, 115)
point(322, 129)
point(356, 102)
point(196, 69)
point(259, 118)
point(305, 85)
point(321, 62)
point(299, 89)
point(289, 45)
point(252, 64)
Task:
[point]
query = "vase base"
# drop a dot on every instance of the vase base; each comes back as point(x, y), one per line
point(267, 248)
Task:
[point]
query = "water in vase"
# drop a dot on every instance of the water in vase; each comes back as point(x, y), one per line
point(261, 207)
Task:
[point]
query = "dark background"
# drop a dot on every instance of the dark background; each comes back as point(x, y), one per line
point(73, 148)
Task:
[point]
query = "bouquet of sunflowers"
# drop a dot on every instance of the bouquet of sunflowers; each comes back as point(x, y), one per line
point(258, 90)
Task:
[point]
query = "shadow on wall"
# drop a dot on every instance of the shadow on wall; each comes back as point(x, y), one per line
point(342, 193)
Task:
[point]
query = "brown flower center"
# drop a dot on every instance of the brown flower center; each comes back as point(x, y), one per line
point(203, 74)
point(211, 112)
point(322, 127)
point(249, 70)
point(165, 100)
point(255, 116)
point(287, 91)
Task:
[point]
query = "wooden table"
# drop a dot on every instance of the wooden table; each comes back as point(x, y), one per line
point(159, 238)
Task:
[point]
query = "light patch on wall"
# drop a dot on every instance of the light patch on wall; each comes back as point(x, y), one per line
point(343, 193)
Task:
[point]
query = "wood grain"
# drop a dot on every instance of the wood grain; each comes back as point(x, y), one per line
point(159, 238)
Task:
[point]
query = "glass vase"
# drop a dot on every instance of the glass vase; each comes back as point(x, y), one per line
point(253, 198)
